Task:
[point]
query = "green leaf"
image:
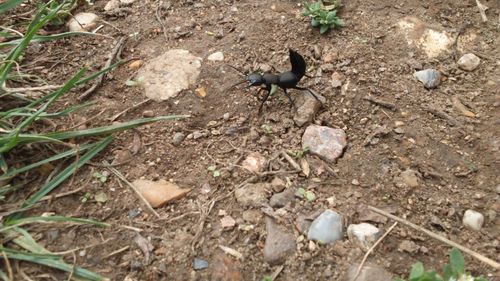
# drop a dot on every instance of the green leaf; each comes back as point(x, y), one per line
point(457, 261)
point(324, 28)
point(4, 276)
point(16, 222)
point(417, 271)
point(211, 168)
point(314, 23)
point(448, 272)
point(216, 174)
point(8, 5)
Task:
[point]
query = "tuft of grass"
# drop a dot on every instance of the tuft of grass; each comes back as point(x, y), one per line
point(324, 17)
point(453, 271)
point(20, 138)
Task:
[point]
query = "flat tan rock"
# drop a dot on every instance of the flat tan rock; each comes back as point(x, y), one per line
point(158, 193)
point(166, 75)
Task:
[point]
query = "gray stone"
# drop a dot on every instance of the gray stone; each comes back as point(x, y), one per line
point(168, 74)
point(326, 228)
point(431, 78)
point(199, 264)
point(469, 62)
point(369, 272)
point(307, 107)
point(280, 200)
point(279, 244)
point(178, 138)
point(473, 220)
point(251, 195)
point(278, 184)
point(410, 178)
point(408, 246)
point(325, 142)
point(363, 234)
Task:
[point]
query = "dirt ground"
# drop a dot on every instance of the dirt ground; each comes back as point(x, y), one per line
point(457, 163)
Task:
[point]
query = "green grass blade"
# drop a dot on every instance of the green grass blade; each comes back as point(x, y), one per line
point(45, 256)
point(8, 5)
point(3, 276)
point(57, 180)
point(45, 38)
point(26, 111)
point(27, 242)
point(62, 155)
point(16, 222)
point(110, 129)
point(58, 264)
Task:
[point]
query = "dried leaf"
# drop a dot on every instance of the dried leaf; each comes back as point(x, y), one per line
point(201, 92)
point(460, 107)
point(304, 165)
point(159, 193)
point(145, 246)
point(136, 144)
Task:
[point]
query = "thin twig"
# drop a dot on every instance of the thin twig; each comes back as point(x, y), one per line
point(277, 272)
point(7, 265)
point(114, 117)
point(290, 160)
point(87, 120)
point(476, 255)
point(31, 89)
point(371, 250)
point(99, 80)
point(482, 9)
point(64, 194)
point(440, 113)
point(382, 103)
point(116, 252)
point(122, 177)
point(158, 8)
point(169, 220)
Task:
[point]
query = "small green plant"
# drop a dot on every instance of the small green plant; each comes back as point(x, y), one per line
point(267, 278)
point(324, 17)
point(215, 172)
point(102, 177)
point(454, 271)
point(297, 154)
point(307, 194)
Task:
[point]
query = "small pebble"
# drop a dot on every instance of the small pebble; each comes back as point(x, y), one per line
point(83, 22)
point(326, 228)
point(363, 234)
point(178, 138)
point(469, 62)
point(226, 116)
point(217, 56)
point(148, 113)
point(473, 220)
point(199, 264)
point(431, 78)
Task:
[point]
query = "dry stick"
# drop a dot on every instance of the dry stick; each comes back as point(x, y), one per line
point(160, 4)
point(32, 89)
point(113, 118)
point(116, 252)
point(440, 113)
point(7, 265)
point(371, 250)
point(290, 160)
point(382, 103)
point(88, 120)
point(99, 80)
point(476, 255)
point(482, 8)
point(64, 194)
point(122, 177)
point(277, 272)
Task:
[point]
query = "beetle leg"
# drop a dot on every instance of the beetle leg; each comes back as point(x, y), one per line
point(309, 90)
point(264, 100)
point(292, 103)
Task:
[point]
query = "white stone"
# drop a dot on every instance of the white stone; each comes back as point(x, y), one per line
point(363, 234)
point(166, 75)
point(430, 40)
point(469, 62)
point(254, 162)
point(217, 56)
point(473, 220)
point(326, 228)
point(112, 5)
point(83, 22)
